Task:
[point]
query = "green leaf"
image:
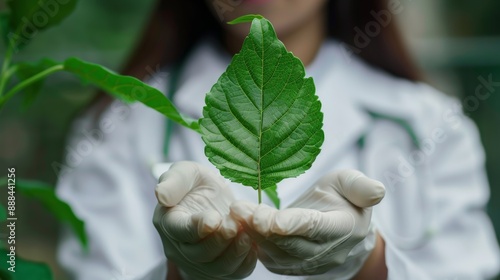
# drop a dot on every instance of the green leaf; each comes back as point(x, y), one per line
point(24, 269)
point(60, 209)
point(27, 70)
point(28, 17)
point(128, 89)
point(245, 18)
point(262, 121)
point(272, 193)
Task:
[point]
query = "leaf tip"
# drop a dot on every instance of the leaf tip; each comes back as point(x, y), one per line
point(245, 18)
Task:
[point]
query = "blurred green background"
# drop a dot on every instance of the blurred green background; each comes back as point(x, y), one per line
point(454, 41)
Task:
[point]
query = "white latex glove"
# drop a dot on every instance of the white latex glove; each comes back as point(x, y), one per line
point(327, 229)
point(193, 220)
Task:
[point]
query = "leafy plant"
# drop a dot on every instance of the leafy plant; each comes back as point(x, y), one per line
point(261, 124)
point(18, 27)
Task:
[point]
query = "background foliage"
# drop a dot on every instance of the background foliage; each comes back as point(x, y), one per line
point(454, 41)
point(99, 31)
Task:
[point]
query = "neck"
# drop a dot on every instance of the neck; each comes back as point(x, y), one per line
point(304, 41)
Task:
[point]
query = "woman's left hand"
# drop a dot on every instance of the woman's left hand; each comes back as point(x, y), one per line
point(320, 231)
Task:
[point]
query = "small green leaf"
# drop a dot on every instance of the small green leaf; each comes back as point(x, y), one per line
point(245, 18)
point(60, 209)
point(28, 17)
point(262, 121)
point(272, 193)
point(24, 269)
point(128, 89)
point(27, 70)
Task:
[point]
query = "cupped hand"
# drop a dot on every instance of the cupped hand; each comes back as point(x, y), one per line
point(326, 228)
point(198, 234)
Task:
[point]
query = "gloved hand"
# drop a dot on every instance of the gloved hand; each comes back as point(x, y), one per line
point(327, 229)
point(198, 235)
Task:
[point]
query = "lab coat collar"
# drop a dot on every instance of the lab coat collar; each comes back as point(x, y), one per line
point(346, 86)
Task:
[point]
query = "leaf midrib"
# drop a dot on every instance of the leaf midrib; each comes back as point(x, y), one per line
point(259, 178)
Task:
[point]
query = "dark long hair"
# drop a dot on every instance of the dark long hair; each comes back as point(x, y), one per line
point(175, 27)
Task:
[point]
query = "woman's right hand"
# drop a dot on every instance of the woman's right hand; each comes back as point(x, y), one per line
point(198, 235)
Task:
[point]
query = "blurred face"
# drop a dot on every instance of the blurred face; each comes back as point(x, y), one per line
point(286, 15)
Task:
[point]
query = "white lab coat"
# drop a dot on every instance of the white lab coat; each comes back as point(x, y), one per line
point(432, 217)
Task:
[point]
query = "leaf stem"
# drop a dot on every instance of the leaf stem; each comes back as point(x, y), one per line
point(259, 191)
point(29, 81)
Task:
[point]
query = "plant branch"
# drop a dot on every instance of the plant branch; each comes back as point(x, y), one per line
point(29, 81)
point(5, 77)
point(7, 59)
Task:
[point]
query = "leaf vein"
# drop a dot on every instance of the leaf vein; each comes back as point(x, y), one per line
point(244, 92)
point(232, 141)
point(237, 117)
point(296, 151)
